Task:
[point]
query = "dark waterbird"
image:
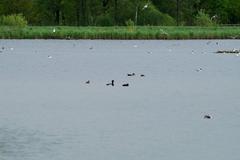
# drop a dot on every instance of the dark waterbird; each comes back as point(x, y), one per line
point(87, 82)
point(199, 70)
point(207, 117)
point(209, 42)
point(110, 84)
point(125, 85)
point(234, 51)
point(130, 74)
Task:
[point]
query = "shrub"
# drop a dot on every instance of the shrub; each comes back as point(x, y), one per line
point(130, 25)
point(104, 20)
point(17, 20)
point(151, 16)
point(203, 19)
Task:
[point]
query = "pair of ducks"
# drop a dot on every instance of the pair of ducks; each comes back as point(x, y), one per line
point(110, 84)
point(133, 74)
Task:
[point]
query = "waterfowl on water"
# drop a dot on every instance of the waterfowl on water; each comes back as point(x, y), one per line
point(110, 84)
point(199, 70)
point(131, 74)
point(142, 75)
point(125, 85)
point(207, 117)
point(87, 82)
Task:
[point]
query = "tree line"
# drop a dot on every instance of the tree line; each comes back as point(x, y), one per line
point(119, 12)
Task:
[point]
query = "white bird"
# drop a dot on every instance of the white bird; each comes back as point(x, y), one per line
point(214, 17)
point(145, 6)
point(54, 30)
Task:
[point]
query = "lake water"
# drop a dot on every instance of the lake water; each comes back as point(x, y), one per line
point(48, 112)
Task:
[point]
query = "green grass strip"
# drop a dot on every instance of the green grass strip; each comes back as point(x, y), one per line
point(140, 32)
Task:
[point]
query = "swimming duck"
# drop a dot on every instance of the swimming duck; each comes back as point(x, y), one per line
point(131, 74)
point(199, 70)
point(110, 84)
point(125, 85)
point(207, 117)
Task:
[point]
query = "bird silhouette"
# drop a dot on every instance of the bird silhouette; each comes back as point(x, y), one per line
point(110, 84)
point(131, 74)
point(125, 85)
point(207, 117)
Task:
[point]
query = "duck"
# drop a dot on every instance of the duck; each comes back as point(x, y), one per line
point(87, 82)
point(110, 84)
point(131, 74)
point(142, 75)
point(199, 70)
point(125, 85)
point(207, 117)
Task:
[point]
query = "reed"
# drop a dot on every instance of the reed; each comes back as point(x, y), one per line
point(140, 32)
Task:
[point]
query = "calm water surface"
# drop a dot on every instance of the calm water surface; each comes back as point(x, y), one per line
point(47, 112)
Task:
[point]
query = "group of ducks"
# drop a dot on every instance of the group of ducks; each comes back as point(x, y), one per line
point(3, 48)
point(112, 83)
point(108, 84)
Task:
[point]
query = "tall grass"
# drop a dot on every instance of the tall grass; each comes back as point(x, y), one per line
point(144, 32)
point(14, 20)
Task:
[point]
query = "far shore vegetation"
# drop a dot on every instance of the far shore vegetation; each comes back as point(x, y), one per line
point(119, 19)
point(124, 32)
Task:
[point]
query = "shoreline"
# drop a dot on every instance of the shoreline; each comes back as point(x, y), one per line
point(120, 33)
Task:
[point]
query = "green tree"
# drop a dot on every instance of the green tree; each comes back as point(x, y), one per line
point(233, 10)
point(8, 7)
point(203, 19)
point(216, 9)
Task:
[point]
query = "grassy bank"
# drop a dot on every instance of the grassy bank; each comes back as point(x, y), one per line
point(120, 32)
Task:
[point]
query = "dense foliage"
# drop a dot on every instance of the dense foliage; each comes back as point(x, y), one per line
point(13, 20)
point(119, 12)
